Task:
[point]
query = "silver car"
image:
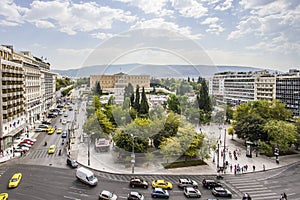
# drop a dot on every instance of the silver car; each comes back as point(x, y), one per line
point(192, 192)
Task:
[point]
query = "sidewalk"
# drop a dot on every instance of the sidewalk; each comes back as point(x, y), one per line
point(9, 154)
point(104, 161)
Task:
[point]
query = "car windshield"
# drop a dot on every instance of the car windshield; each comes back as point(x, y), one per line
point(14, 180)
point(90, 178)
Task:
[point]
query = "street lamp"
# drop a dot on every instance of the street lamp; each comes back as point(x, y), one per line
point(224, 156)
point(132, 155)
point(89, 153)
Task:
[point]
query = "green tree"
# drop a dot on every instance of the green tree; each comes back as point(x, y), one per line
point(229, 113)
point(126, 103)
point(203, 99)
point(136, 105)
point(173, 104)
point(105, 124)
point(171, 149)
point(281, 134)
point(251, 128)
point(128, 91)
point(98, 90)
point(144, 107)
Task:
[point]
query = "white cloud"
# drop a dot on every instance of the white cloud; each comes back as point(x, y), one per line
point(215, 29)
point(190, 8)
point(160, 23)
point(150, 7)
point(210, 20)
point(67, 16)
point(102, 36)
point(224, 6)
point(11, 11)
point(8, 23)
point(43, 24)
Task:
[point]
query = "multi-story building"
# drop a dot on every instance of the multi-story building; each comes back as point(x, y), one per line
point(32, 87)
point(117, 82)
point(265, 87)
point(12, 102)
point(241, 87)
point(108, 82)
point(288, 90)
point(27, 90)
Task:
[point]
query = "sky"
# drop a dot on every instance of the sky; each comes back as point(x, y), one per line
point(71, 34)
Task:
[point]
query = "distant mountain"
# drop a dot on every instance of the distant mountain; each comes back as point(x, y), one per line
point(159, 71)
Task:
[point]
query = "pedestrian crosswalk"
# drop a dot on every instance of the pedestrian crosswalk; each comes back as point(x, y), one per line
point(256, 188)
point(41, 153)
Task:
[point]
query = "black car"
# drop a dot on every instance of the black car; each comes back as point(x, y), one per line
point(138, 182)
point(221, 192)
point(71, 162)
point(46, 122)
point(209, 184)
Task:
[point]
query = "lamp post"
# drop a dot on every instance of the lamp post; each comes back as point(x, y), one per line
point(224, 151)
point(89, 153)
point(132, 155)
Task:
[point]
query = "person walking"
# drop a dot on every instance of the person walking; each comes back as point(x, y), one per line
point(284, 196)
point(264, 167)
point(254, 168)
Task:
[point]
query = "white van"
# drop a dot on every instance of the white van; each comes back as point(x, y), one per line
point(86, 176)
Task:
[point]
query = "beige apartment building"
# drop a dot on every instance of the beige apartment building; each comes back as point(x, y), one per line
point(12, 100)
point(27, 90)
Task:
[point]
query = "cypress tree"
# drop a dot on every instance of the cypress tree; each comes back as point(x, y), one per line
point(144, 106)
point(136, 105)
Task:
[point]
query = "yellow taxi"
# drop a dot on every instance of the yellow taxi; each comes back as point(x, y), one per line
point(3, 196)
point(51, 131)
point(52, 149)
point(15, 180)
point(162, 184)
point(64, 122)
point(59, 131)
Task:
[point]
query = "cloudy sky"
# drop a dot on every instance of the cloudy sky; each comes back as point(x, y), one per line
point(72, 34)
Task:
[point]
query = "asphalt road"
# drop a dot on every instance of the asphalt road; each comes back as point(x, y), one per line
point(48, 182)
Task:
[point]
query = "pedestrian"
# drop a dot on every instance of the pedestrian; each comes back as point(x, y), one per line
point(246, 167)
point(264, 167)
point(230, 167)
point(284, 196)
point(281, 197)
point(254, 168)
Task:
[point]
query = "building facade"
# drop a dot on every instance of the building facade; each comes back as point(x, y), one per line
point(242, 87)
point(27, 90)
point(288, 90)
point(12, 98)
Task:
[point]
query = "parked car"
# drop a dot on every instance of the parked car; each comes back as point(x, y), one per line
point(191, 192)
point(24, 145)
point(209, 184)
point(107, 195)
point(71, 162)
point(31, 139)
point(221, 192)
point(186, 182)
point(27, 142)
point(160, 193)
point(162, 184)
point(44, 126)
point(46, 122)
point(15, 180)
point(138, 182)
point(135, 196)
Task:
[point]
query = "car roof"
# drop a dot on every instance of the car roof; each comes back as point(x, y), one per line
point(158, 189)
point(52, 146)
point(108, 193)
point(134, 193)
point(16, 175)
point(160, 181)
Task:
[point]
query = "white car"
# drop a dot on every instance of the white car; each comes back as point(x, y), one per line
point(107, 195)
point(192, 192)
